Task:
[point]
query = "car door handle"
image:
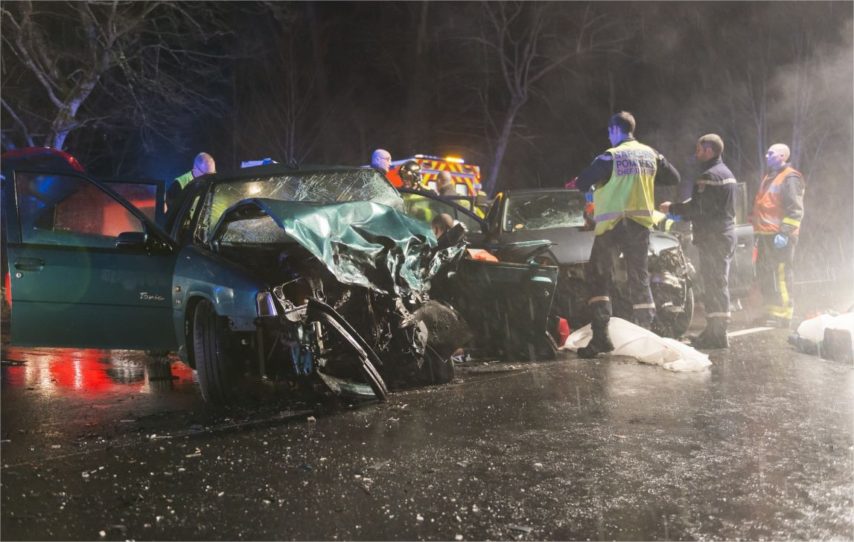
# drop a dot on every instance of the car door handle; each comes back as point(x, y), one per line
point(29, 264)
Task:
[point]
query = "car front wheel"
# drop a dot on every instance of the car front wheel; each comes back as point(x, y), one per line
point(216, 372)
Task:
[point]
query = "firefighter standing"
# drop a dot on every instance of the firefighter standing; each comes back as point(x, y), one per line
point(624, 177)
point(712, 211)
point(410, 175)
point(777, 213)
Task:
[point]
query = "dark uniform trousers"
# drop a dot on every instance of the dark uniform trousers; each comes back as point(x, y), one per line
point(775, 275)
point(716, 252)
point(632, 240)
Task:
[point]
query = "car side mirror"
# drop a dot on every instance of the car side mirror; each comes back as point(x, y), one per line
point(130, 240)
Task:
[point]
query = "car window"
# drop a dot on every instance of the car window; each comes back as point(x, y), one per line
point(426, 209)
point(70, 211)
point(143, 196)
point(564, 209)
point(337, 186)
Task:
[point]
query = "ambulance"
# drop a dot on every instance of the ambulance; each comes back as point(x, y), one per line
point(466, 177)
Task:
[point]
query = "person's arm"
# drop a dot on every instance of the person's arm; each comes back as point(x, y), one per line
point(683, 209)
point(665, 173)
point(792, 195)
point(596, 173)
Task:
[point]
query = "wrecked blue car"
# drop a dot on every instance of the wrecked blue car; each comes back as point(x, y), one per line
point(310, 276)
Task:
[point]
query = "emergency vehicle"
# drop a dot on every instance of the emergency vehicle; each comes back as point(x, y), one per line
point(466, 177)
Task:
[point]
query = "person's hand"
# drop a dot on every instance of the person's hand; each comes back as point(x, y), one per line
point(781, 240)
point(664, 207)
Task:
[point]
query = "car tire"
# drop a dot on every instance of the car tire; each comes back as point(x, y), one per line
point(437, 369)
point(682, 322)
point(444, 331)
point(216, 372)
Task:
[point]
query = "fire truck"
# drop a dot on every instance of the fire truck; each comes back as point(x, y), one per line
point(466, 177)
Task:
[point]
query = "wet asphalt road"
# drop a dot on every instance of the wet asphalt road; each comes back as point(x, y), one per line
point(107, 445)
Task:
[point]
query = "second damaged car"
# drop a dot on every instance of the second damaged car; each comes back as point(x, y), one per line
point(314, 277)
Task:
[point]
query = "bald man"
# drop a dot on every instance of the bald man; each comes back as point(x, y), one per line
point(777, 213)
point(381, 160)
point(203, 164)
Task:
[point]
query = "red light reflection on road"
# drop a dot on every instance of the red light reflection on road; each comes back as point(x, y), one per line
point(90, 371)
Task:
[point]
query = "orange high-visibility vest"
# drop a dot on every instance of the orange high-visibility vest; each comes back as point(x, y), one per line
point(768, 212)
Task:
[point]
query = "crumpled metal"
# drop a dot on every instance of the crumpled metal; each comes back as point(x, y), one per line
point(362, 243)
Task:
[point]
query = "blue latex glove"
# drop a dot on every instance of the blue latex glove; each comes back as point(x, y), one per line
point(780, 241)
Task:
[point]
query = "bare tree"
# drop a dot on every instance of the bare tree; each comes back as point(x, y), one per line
point(289, 112)
point(142, 62)
point(529, 41)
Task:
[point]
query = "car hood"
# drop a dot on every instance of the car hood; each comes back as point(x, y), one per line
point(361, 243)
point(573, 245)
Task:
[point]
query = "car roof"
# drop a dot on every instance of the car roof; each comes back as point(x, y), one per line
point(283, 169)
point(40, 159)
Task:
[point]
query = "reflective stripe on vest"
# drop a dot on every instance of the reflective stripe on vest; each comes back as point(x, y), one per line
point(616, 216)
point(768, 206)
point(629, 193)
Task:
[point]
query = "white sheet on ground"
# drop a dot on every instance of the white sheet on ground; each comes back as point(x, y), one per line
point(645, 346)
point(813, 329)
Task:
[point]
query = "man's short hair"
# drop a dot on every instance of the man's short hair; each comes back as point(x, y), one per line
point(712, 141)
point(624, 120)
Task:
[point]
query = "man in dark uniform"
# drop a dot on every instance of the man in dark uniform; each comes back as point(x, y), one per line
point(712, 211)
point(624, 176)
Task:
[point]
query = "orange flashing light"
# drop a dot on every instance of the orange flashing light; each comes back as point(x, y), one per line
point(455, 159)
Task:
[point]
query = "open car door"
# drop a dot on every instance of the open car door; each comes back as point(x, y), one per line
point(88, 269)
point(147, 195)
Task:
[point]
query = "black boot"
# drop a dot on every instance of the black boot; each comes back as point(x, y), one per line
point(714, 336)
point(601, 341)
point(599, 344)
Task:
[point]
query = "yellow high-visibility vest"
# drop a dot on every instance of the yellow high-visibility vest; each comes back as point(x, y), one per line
point(630, 192)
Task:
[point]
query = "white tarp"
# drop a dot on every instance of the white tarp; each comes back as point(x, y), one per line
point(812, 330)
point(643, 345)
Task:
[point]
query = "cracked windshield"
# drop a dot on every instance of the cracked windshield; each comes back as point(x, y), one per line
point(320, 187)
point(542, 212)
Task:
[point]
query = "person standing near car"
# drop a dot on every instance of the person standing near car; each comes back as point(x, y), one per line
point(624, 177)
point(777, 213)
point(381, 160)
point(203, 164)
point(711, 209)
point(410, 175)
